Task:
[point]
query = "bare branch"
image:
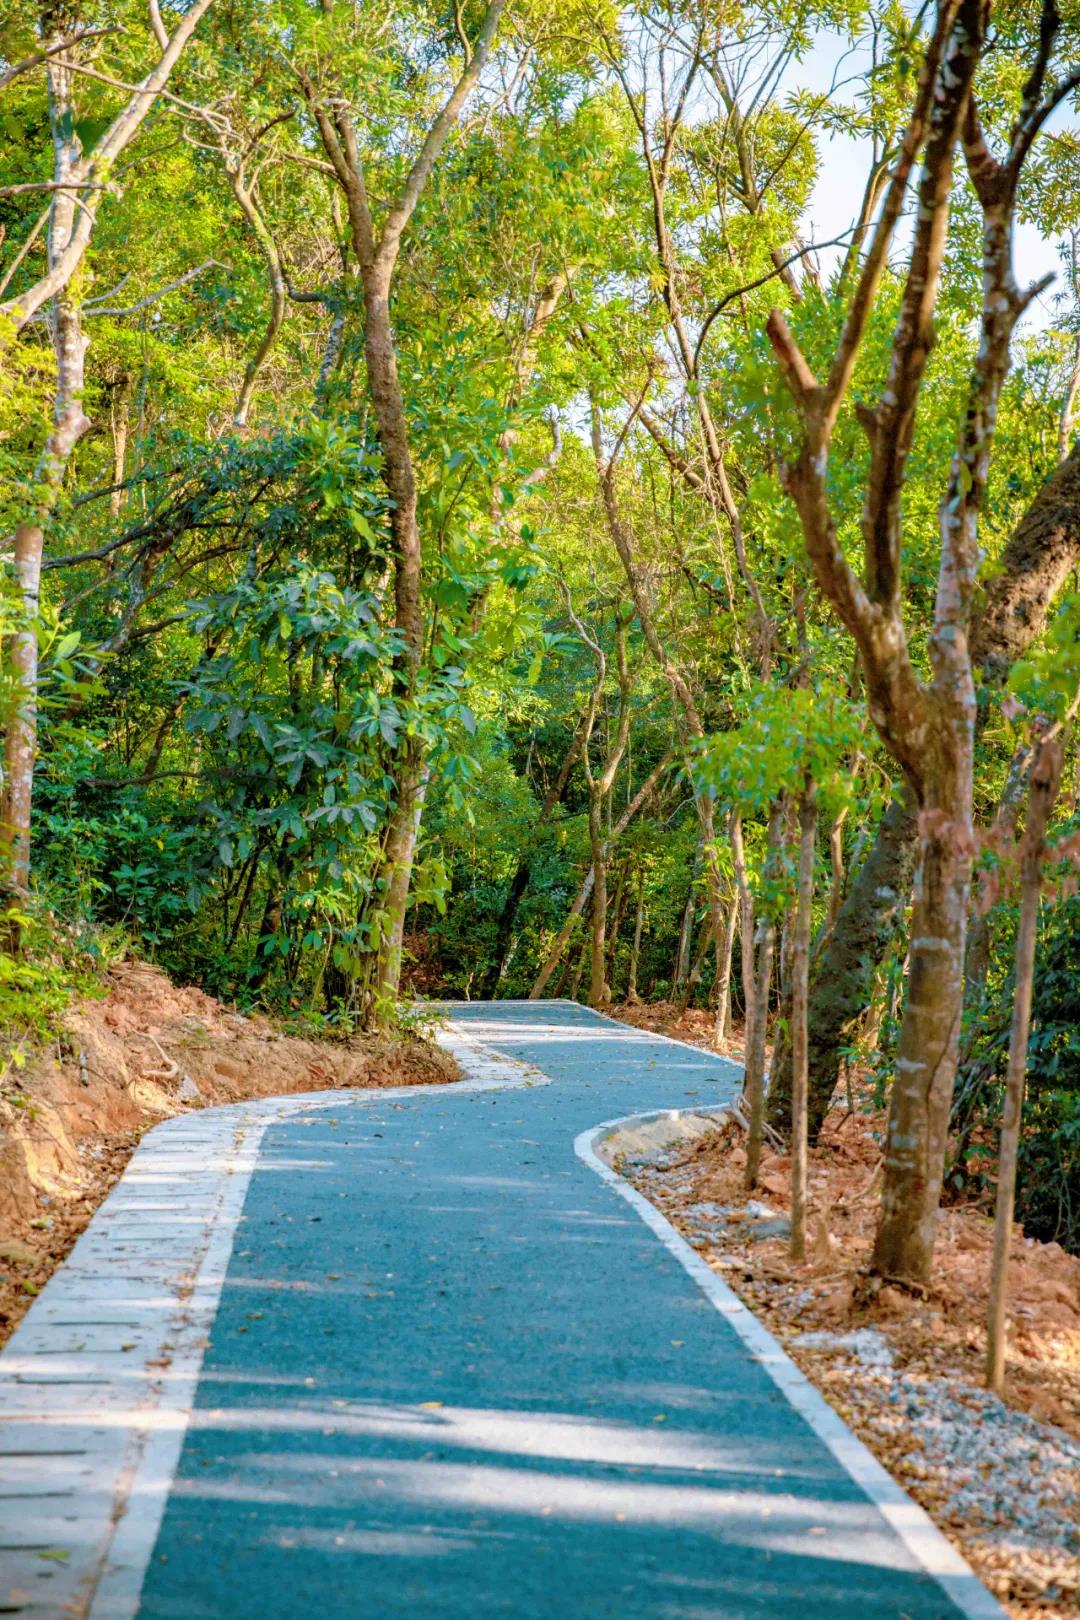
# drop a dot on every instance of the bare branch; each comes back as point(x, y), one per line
point(160, 32)
point(152, 298)
point(58, 49)
point(752, 286)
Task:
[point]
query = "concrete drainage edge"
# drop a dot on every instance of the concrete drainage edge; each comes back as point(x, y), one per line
point(932, 1551)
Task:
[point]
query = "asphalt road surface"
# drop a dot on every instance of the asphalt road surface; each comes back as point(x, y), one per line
point(454, 1375)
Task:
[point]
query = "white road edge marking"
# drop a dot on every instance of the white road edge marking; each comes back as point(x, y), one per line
point(930, 1549)
point(118, 1336)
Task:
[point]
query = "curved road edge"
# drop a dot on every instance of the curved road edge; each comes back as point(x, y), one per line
point(927, 1545)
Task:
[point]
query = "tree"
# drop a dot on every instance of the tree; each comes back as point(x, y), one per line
point(927, 726)
point(377, 252)
point(80, 181)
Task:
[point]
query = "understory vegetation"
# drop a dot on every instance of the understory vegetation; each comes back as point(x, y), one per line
point(473, 533)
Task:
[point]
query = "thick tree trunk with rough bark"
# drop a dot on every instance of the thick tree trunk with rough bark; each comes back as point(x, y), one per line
point(925, 1070)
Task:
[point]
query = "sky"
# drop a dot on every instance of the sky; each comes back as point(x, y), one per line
point(836, 196)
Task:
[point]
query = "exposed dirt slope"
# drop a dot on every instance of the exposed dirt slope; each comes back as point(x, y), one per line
point(146, 1051)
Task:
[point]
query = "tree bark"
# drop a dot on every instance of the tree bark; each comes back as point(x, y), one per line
point(746, 925)
point(1045, 780)
point(70, 422)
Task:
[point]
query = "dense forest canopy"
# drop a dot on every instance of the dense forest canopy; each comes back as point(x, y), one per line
point(470, 535)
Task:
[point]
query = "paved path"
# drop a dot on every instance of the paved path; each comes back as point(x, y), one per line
point(453, 1375)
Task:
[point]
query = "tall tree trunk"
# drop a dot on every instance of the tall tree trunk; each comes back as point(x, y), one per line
point(70, 422)
point(622, 888)
point(635, 948)
point(597, 935)
point(800, 969)
point(681, 965)
point(706, 943)
point(754, 1081)
point(746, 924)
point(377, 254)
point(399, 850)
point(722, 1027)
point(119, 418)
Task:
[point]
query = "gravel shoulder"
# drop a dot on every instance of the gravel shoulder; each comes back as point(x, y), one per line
point(1000, 1479)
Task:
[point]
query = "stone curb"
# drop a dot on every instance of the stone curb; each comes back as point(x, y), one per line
point(931, 1550)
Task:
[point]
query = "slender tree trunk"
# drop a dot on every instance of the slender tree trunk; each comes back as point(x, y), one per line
point(554, 956)
point(746, 924)
point(119, 416)
point(597, 934)
point(562, 938)
point(722, 1026)
point(70, 422)
point(245, 196)
point(977, 958)
point(754, 1082)
point(836, 861)
point(800, 972)
point(681, 965)
point(399, 850)
point(1046, 777)
point(635, 948)
point(706, 942)
point(622, 888)
point(579, 971)
point(846, 966)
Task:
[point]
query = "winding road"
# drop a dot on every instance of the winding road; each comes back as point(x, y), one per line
point(453, 1374)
